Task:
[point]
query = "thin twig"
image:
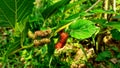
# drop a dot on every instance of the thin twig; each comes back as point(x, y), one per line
point(24, 47)
point(50, 61)
point(93, 5)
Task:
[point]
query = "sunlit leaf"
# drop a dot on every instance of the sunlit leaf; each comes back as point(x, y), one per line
point(102, 11)
point(82, 29)
point(97, 11)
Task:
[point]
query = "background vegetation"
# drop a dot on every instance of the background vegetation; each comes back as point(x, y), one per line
point(59, 33)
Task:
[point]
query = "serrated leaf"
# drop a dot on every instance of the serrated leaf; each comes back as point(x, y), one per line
point(82, 29)
point(12, 11)
point(105, 55)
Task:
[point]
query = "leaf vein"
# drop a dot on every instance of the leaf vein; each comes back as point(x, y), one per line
point(21, 5)
point(6, 18)
point(8, 6)
point(22, 12)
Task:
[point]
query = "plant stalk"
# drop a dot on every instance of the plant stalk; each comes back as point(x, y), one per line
point(93, 5)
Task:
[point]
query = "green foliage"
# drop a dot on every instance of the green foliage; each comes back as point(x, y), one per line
point(82, 29)
point(102, 11)
point(116, 49)
point(101, 22)
point(117, 17)
point(15, 14)
point(13, 47)
point(35, 19)
point(72, 5)
point(111, 65)
point(53, 8)
point(12, 11)
point(118, 56)
point(115, 34)
point(114, 25)
point(51, 48)
point(103, 56)
point(17, 50)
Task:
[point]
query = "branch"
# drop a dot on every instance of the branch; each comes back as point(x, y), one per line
point(24, 47)
point(93, 5)
point(106, 7)
point(114, 5)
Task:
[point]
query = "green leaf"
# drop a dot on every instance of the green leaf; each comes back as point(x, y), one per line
point(73, 16)
point(20, 28)
point(116, 49)
point(13, 47)
point(72, 5)
point(12, 11)
point(117, 17)
point(115, 34)
point(118, 56)
point(114, 25)
point(98, 11)
point(51, 47)
point(99, 21)
point(62, 23)
point(82, 29)
point(24, 32)
point(53, 8)
point(78, 15)
point(105, 55)
point(102, 11)
point(112, 65)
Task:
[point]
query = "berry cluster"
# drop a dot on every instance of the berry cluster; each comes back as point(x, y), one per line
point(41, 33)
